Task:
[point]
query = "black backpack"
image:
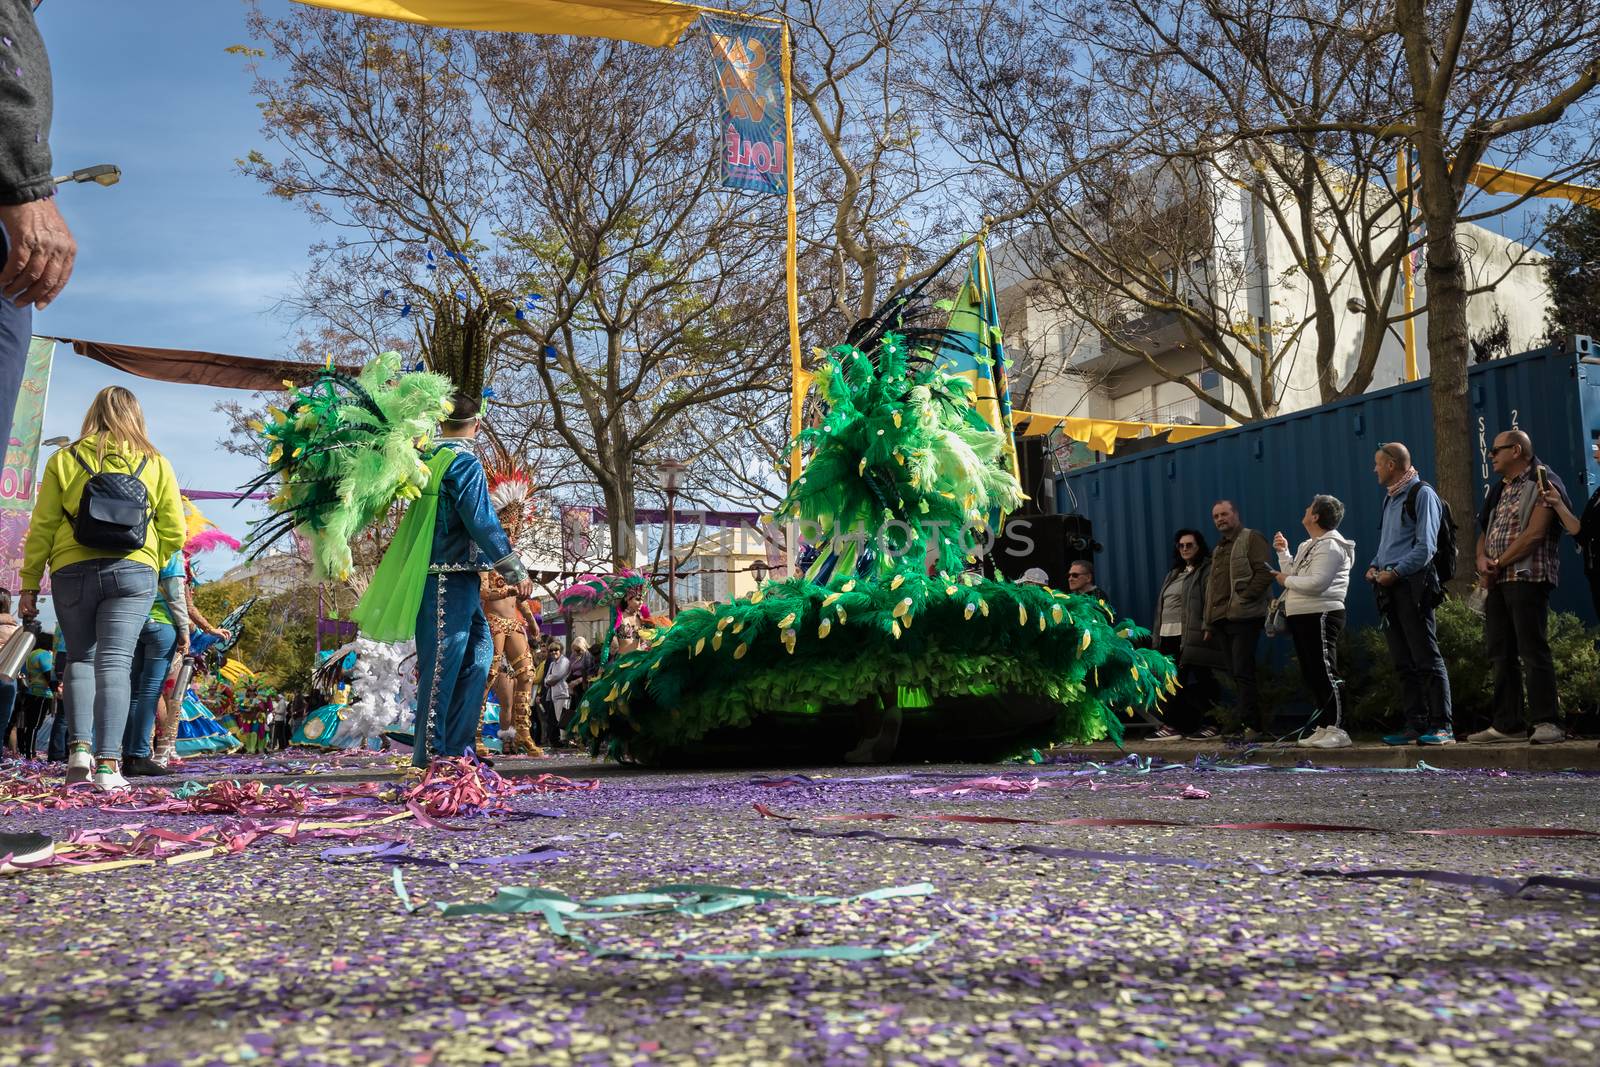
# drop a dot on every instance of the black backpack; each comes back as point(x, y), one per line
point(114, 511)
point(1444, 546)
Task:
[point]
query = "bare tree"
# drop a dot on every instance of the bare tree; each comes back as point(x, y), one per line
point(550, 204)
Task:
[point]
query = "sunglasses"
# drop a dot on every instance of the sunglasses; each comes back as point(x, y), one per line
point(1497, 449)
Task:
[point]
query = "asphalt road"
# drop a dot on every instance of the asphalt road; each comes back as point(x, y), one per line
point(1016, 943)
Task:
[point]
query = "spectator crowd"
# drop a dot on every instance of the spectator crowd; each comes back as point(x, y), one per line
point(1216, 603)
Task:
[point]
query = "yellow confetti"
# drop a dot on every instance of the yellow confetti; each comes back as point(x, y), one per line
point(825, 628)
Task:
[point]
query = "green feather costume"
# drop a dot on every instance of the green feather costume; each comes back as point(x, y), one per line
point(979, 668)
point(344, 450)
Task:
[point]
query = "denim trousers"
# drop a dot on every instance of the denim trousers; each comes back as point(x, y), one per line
point(16, 333)
point(151, 662)
point(1413, 636)
point(453, 653)
point(102, 605)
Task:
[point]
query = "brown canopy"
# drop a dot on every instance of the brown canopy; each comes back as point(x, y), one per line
point(200, 368)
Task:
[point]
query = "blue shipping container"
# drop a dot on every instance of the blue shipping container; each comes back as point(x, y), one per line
point(1273, 468)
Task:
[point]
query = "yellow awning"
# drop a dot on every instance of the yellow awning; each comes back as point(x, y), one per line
point(1499, 180)
point(649, 22)
point(1102, 435)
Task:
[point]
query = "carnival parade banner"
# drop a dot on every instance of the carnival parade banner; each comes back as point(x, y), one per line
point(17, 478)
point(747, 58)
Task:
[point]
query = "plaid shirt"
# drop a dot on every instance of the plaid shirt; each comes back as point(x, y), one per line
point(1541, 564)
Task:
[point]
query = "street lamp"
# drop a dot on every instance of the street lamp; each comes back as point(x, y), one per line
point(667, 473)
point(56, 442)
point(760, 568)
point(100, 174)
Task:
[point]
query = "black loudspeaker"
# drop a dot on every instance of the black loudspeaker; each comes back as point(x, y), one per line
point(1049, 542)
point(1034, 471)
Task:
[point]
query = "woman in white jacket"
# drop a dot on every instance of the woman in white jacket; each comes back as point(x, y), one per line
point(1315, 581)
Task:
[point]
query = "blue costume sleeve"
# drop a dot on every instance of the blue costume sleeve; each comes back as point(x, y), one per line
point(467, 489)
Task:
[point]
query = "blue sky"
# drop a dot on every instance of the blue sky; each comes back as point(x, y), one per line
point(185, 252)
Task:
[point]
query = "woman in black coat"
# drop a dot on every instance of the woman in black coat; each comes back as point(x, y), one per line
point(1179, 630)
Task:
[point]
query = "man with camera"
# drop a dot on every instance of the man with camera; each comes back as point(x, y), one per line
point(1518, 563)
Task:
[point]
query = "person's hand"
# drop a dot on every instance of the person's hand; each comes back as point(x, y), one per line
point(42, 252)
point(28, 605)
point(1387, 578)
point(525, 589)
point(1280, 542)
point(1277, 576)
point(1552, 499)
point(1205, 635)
point(1485, 566)
point(182, 647)
point(225, 634)
point(1372, 574)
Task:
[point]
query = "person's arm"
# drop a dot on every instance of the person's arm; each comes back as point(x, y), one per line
point(26, 104)
point(471, 499)
point(1426, 541)
point(196, 618)
point(40, 248)
point(170, 527)
point(1538, 529)
point(1558, 504)
point(42, 526)
point(1285, 561)
point(173, 595)
point(1322, 570)
point(557, 671)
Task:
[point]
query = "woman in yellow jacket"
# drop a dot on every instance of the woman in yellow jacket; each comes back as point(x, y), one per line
point(102, 595)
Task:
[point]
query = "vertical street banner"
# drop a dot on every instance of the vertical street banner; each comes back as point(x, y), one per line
point(17, 478)
point(747, 59)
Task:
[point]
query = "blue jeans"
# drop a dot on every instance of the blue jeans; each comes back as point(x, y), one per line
point(8, 700)
point(56, 748)
point(453, 653)
point(151, 662)
point(102, 605)
point(16, 331)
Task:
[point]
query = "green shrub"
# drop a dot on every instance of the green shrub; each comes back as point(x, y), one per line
point(1375, 700)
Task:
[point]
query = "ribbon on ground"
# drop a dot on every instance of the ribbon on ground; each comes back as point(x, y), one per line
point(1586, 886)
point(692, 899)
point(397, 852)
point(1279, 827)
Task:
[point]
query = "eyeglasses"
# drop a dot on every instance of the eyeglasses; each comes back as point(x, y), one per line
point(1497, 449)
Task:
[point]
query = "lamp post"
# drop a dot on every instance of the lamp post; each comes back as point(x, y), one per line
point(760, 568)
point(100, 174)
point(667, 473)
point(56, 442)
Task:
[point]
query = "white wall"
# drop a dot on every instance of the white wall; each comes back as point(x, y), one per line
point(1512, 269)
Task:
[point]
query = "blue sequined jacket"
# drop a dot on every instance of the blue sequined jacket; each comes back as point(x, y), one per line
point(467, 535)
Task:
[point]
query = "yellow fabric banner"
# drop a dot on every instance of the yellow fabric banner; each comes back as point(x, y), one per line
point(648, 22)
point(1102, 435)
point(1497, 180)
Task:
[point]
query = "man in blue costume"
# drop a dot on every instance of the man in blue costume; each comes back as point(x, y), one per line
point(453, 643)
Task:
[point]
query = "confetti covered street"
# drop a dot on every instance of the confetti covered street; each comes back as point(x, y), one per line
point(570, 912)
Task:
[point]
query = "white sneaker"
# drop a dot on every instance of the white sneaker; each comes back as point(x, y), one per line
point(1311, 739)
point(1332, 737)
point(80, 765)
point(109, 781)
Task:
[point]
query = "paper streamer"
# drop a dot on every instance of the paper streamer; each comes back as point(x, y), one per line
point(692, 899)
point(1277, 827)
point(399, 852)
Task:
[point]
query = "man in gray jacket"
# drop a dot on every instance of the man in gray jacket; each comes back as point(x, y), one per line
point(39, 249)
point(1236, 608)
